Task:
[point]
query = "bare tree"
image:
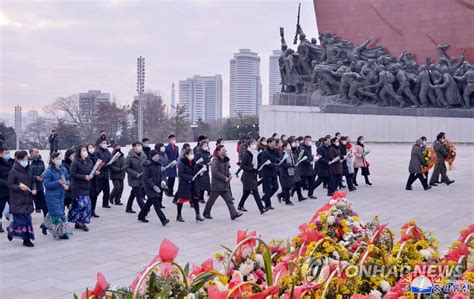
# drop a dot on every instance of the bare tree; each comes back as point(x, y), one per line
point(36, 133)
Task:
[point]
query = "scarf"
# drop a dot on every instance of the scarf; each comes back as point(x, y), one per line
point(254, 153)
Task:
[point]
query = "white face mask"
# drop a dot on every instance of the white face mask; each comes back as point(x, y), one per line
point(293, 144)
point(336, 143)
point(156, 158)
point(91, 150)
point(24, 163)
point(138, 149)
point(253, 146)
point(58, 162)
point(344, 142)
point(162, 149)
point(206, 148)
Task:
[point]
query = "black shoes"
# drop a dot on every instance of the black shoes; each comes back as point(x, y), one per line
point(119, 204)
point(95, 215)
point(130, 211)
point(269, 208)
point(408, 188)
point(107, 206)
point(179, 219)
point(143, 219)
point(433, 184)
point(312, 196)
point(352, 189)
point(165, 222)
point(368, 183)
point(207, 216)
point(44, 230)
point(289, 203)
point(428, 188)
point(302, 198)
point(243, 209)
point(1, 228)
point(199, 219)
point(38, 210)
point(263, 211)
point(81, 226)
point(64, 237)
point(355, 184)
point(450, 182)
point(27, 243)
point(279, 196)
point(236, 216)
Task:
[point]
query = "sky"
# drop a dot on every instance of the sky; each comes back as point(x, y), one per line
point(59, 48)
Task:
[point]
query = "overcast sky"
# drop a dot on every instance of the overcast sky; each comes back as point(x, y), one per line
point(59, 48)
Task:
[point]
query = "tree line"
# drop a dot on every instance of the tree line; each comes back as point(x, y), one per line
point(120, 122)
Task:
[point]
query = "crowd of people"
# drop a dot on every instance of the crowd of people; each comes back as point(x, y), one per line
point(74, 182)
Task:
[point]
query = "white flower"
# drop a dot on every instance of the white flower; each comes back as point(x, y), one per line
point(247, 267)
point(426, 253)
point(332, 202)
point(260, 261)
point(375, 294)
point(385, 286)
point(335, 254)
point(331, 220)
point(219, 285)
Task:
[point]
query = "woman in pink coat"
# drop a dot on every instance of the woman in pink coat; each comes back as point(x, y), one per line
point(360, 162)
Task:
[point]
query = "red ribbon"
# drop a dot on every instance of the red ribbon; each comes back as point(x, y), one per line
point(100, 286)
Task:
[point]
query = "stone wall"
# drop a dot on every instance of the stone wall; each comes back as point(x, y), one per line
point(294, 120)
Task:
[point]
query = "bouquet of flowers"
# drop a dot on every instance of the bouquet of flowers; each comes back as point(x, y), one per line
point(451, 154)
point(429, 159)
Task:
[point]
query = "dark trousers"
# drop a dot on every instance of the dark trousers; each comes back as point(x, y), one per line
point(3, 202)
point(308, 181)
point(170, 184)
point(366, 177)
point(139, 193)
point(156, 202)
point(40, 202)
point(68, 201)
point(229, 201)
point(270, 187)
point(201, 194)
point(350, 180)
point(286, 194)
point(414, 176)
point(439, 169)
point(334, 183)
point(321, 180)
point(195, 205)
point(297, 188)
point(256, 196)
point(116, 193)
point(104, 187)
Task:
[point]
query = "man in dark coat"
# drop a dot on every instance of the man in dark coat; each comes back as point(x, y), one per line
point(204, 181)
point(172, 152)
point(117, 176)
point(154, 184)
point(102, 153)
point(220, 184)
point(323, 163)
point(415, 166)
point(440, 167)
point(6, 163)
point(146, 147)
point(101, 138)
point(335, 168)
point(134, 169)
point(306, 169)
point(37, 168)
point(269, 172)
point(287, 173)
point(53, 142)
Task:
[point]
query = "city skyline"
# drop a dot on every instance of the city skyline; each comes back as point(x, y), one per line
point(118, 32)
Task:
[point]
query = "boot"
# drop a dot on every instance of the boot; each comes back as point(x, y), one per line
point(199, 218)
point(179, 218)
point(1, 228)
point(28, 243)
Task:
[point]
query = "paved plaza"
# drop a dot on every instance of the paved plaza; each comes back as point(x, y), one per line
point(118, 245)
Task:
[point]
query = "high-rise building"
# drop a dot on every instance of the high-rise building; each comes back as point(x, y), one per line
point(245, 86)
point(274, 77)
point(202, 96)
point(32, 116)
point(89, 101)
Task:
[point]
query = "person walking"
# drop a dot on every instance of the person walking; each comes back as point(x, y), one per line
point(161, 149)
point(68, 158)
point(249, 165)
point(287, 173)
point(324, 174)
point(335, 168)
point(172, 152)
point(53, 140)
point(56, 181)
point(103, 153)
point(269, 158)
point(93, 182)
point(415, 167)
point(204, 181)
point(360, 161)
point(306, 168)
point(155, 182)
point(295, 148)
point(188, 187)
point(6, 163)
point(22, 186)
point(134, 169)
point(117, 176)
point(81, 180)
point(146, 147)
point(37, 168)
point(441, 151)
point(350, 165)
point(220, 184)
point(345, 162)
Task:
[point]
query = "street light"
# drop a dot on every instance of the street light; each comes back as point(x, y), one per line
point(194, 126)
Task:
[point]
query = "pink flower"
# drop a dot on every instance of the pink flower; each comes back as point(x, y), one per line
point(101, 286)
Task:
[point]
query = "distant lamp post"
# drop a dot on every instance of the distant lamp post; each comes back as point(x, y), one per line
point(140, 91)
point(194, 126)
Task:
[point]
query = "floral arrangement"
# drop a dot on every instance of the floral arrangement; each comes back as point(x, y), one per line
point(451, 154)
point(325, 260)
point(429, 159)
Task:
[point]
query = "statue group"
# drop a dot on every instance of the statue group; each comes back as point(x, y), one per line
point(369, 74)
